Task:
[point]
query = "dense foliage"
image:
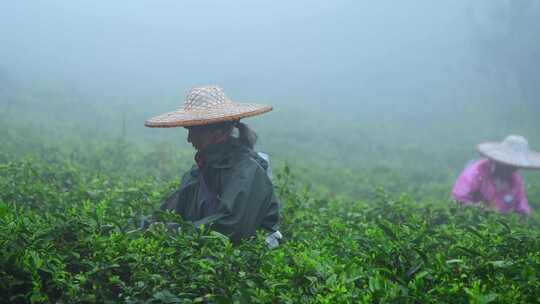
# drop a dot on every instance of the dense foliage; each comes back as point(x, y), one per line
point(72, 192)
point(68, 234)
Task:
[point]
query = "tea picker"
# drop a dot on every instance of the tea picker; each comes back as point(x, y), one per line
point(494, 182)
point(229, 188)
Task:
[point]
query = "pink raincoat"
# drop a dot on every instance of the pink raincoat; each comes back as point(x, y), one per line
point(478, 184)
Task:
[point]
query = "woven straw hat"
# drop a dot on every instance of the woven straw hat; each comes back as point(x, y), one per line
point(513, 151)
point(206, 105)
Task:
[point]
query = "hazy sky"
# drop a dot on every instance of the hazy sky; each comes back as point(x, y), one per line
point(389, 60)
point(395, 73)
point(294, 50)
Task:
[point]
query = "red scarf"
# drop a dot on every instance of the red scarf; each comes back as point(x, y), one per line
point(199, 159)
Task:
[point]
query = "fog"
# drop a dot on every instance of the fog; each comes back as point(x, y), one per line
point(339, 73)
point(336, 52)
point(265, 49)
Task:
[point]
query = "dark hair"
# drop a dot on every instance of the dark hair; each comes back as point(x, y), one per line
point(225, 127)
point(246, 135)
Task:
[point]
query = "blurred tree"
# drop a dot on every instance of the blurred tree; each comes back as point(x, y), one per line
point(507, 37)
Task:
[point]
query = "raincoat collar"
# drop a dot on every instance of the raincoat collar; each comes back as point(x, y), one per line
point(222, 155)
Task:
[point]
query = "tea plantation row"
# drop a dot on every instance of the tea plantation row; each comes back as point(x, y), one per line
point(68, 235)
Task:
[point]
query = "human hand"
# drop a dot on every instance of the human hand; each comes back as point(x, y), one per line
point(162, 226)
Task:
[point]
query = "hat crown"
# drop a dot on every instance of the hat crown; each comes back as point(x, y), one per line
point(205, 97)
point(516, 143)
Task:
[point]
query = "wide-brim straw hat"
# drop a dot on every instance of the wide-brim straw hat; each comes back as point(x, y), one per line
point(206, 105)
point(513, 150)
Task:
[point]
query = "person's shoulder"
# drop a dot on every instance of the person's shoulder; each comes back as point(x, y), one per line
point(245, 160)
point(516, 177)
point(250, 163)
point(483, 162)
point(190, 175)
point(479, 165)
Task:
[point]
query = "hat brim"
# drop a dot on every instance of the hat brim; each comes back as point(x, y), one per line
point(500, 153)
point(187, 118)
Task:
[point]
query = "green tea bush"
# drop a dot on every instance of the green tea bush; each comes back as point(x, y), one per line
point(68, 234)
point(70, 205)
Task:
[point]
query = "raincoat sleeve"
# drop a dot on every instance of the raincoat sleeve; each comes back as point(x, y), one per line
point(522, 206)
point(247, 202)
point(172, 202)
point(467, 184)
point(176, 200)
point(271, 218)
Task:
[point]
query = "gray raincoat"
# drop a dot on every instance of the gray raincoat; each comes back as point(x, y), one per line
point(231, 193)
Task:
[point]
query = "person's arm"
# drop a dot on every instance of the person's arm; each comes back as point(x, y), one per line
point(271, 218)
point(467, 184)
point(243, 197)
point(176, 200)
point(522, 206)
point(172, 202)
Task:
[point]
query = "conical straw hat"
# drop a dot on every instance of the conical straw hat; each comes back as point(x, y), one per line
point(513, 151)
point(206, 105)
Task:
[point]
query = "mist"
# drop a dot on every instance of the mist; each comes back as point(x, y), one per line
point(302, 51)
point(292, 51)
